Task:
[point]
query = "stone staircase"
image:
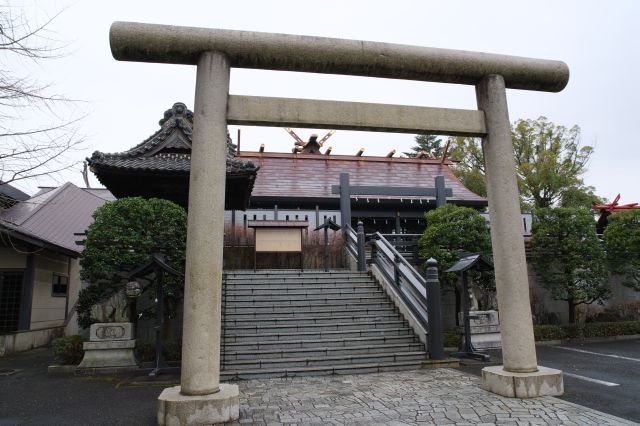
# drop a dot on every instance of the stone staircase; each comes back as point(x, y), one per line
point(291, 323)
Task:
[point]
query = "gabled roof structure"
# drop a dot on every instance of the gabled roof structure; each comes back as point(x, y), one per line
point(159, 166)
point(51, 218)
point(296, 180)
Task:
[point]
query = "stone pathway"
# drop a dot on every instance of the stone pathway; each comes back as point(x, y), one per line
point(435, 397)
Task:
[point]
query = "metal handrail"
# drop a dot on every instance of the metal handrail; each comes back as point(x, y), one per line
point(351, 240)
point(410, 284)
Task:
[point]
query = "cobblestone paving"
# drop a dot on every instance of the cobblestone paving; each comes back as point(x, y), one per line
point(432, 397)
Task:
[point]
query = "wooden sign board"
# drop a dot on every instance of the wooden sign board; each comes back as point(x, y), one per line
point(278, 236)
point(278, 240)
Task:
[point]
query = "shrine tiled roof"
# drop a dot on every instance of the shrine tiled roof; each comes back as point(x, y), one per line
point(167, 150)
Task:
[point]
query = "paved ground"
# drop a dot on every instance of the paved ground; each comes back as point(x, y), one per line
point(604, 376)
point(437, 397)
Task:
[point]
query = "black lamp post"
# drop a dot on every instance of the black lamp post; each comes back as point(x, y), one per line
point(328, 224)
point(475, 262)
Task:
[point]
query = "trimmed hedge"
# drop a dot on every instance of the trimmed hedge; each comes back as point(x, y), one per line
point(68, 350)
point(548, 332)
point(580, 331)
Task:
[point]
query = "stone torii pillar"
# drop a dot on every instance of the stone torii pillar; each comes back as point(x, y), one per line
point(200, 398)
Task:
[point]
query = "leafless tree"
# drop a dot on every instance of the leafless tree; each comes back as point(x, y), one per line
point(38, 129)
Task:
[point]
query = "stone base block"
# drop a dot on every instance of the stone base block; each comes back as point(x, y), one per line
point(544, 382)
point(175, 409)
point(108, 354)
point(486, 341)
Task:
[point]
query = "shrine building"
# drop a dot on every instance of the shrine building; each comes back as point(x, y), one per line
point(298, 185)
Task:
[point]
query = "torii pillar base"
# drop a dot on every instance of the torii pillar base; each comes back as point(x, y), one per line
point(544, 382)
point(176, 409)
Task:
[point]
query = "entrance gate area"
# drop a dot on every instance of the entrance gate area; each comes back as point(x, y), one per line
point(216, 51)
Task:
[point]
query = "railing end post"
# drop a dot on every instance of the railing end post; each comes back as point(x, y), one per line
point(434, 339)
point(362, 267)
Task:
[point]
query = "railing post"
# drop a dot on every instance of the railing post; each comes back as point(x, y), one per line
point(361, 251)
point(434, 338)
point(374, 248)
point(396, 269)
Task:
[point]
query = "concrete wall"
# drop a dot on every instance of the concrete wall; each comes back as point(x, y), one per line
point(11, 259)
point(26, 340)
point(48, 310)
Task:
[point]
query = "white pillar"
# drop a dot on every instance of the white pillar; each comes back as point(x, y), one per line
point(205, 229)
point(512, 284)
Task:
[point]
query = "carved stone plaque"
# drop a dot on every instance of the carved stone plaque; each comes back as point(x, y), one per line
point(111, 331)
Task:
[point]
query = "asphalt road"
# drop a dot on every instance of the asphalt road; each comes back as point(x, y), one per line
point(31, 397)
point(603, 376)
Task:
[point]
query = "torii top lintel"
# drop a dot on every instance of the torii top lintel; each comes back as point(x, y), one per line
point(131, 41)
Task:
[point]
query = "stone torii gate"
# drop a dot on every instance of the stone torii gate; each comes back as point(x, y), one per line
point(200, 398)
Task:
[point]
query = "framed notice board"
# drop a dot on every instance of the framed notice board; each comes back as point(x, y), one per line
point(278, 236)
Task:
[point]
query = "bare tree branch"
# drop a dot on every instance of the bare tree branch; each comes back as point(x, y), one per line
point(42, 148)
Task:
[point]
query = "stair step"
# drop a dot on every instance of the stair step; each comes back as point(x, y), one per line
point(336, 342)
point(322, 351)
point(385, 316)
point(293, 272)
point(364, 310)
point(265, 329)
point(259, 337)
point(319, 371)
point(292, 282)
point(305, 307)
point(289, 323)
point(310, 289)
point(270, 363)
point(302, 296)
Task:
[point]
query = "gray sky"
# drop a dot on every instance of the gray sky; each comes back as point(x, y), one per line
point(600, 41)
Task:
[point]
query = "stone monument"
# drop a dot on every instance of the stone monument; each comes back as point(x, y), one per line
point(110, 349)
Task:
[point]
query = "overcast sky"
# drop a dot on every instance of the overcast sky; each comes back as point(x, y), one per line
point(600, 41)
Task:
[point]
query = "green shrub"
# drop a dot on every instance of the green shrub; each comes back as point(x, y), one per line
point(452, 338)
point(603, 329)
point(581, 331)
point(548, 332)
point(125, 234)
point(68, 350)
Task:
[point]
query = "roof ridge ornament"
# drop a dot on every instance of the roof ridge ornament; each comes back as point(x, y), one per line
point(178, 110)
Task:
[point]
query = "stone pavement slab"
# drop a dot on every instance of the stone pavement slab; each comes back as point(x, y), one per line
point(431, 397)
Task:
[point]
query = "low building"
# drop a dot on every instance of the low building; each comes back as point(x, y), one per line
point(39, 266)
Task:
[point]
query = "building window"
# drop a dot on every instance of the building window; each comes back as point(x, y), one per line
point(60, 284)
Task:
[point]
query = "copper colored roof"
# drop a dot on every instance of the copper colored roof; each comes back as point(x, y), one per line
point(311, 176)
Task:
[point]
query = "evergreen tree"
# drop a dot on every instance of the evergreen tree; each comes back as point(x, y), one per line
point(431, 144)
point(622, 242)
point(568, 257)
